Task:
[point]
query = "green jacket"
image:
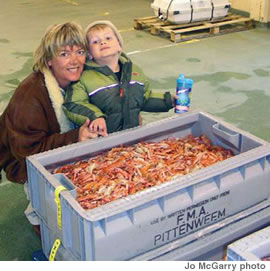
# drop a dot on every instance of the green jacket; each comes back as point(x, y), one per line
point(100, 94)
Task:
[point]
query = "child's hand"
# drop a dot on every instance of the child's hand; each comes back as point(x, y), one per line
point(174, 98)
point(99, 126)
point(85, 133)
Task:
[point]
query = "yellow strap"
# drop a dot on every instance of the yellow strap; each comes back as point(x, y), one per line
point(54, 249)
point(58, 204)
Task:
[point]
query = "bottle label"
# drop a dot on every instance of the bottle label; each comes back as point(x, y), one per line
point(182, 103)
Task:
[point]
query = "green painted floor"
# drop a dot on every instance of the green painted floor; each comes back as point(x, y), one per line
point(231, 74)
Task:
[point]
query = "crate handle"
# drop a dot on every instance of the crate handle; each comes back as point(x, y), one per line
point(54, 249)
point(57, 191)
point(227, 134)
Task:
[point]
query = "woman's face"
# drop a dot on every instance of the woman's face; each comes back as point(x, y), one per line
point(67, 66)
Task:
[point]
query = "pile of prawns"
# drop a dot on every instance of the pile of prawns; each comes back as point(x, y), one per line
point(125, 170)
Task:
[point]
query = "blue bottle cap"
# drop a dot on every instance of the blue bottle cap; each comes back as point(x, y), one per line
point(188, 81)
point(180, 79)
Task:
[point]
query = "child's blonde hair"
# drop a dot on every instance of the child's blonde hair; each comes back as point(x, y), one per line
point(97, 25)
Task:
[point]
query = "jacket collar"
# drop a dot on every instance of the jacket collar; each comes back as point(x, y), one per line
point(91, 65)
point(57, 100)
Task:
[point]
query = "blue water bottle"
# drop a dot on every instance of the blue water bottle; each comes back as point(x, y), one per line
point(183, 92)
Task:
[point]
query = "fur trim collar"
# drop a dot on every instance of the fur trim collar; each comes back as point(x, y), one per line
point(57, 101)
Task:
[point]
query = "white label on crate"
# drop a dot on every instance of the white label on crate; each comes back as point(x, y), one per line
point(192, 218)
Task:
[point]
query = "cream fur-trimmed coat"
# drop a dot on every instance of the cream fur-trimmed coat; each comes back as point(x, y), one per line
point(57, 99)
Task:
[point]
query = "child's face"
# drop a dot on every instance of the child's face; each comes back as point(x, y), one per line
point(103, 44)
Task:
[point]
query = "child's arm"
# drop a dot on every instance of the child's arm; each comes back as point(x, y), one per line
point(77, 107)
point(153, 101)
point(157, 102)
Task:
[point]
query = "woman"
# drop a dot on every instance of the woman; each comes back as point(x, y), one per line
point(33, 121)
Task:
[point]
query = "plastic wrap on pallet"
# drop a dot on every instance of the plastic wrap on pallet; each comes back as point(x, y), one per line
point(159, 215)
point(187, 11)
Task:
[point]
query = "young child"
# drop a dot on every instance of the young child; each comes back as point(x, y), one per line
point(112, 90)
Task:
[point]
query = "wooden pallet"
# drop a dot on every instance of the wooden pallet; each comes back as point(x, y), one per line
point(182, 32)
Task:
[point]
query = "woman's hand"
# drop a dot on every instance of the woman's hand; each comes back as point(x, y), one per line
point(98, 126)
point(85, 133)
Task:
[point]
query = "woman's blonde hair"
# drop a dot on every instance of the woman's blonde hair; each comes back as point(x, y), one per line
point(55, 38)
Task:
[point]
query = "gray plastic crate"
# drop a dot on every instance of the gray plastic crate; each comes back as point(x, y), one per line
point(250, 248)
point(158, 215)
point(208, 244)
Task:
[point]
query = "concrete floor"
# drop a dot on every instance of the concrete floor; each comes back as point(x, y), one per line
point(231, 74)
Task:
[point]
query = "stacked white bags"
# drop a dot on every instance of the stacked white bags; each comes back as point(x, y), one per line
point(187, 11)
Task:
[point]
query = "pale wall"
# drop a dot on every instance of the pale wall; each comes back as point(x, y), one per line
point(243, 5)
point(258, 9)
